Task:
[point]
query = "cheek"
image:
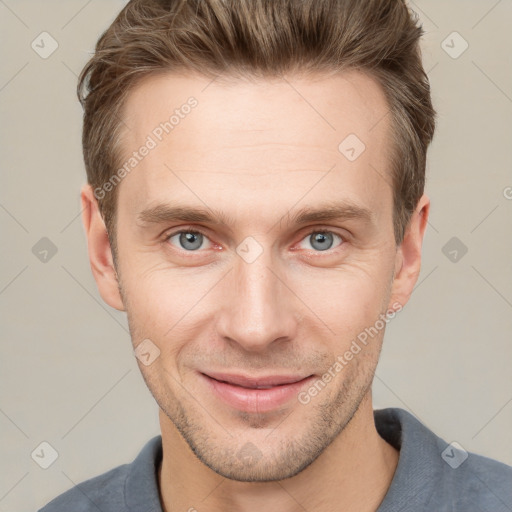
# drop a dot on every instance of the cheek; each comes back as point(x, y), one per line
point(344, 297)
point(165, 304)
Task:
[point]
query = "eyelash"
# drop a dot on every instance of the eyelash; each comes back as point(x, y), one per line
point(195, 231)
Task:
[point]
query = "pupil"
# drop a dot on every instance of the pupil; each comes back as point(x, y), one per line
point(192, 239)
point(323, 240)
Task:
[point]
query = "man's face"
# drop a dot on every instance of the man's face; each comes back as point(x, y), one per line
point(256, 293)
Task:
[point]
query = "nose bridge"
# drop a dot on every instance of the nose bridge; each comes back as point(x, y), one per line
point(259, 307)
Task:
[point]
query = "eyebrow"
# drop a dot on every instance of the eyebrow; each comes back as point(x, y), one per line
point(164, 213)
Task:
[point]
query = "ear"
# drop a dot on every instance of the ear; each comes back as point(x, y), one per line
point(100, 253)
point(408, 255)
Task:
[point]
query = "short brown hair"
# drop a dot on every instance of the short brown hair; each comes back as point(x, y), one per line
point(261, 38)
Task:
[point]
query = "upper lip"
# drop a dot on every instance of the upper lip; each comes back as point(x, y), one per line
point(255, 382)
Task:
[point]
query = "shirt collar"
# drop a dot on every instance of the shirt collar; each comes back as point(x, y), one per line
point(418, 463)
point(141, 491)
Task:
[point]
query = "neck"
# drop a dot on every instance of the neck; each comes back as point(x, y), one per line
point(353, 473)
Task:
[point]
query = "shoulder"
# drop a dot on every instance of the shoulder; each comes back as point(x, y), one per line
point(469, 481)
point(436, 475)
point(129, 487)
point(104, 492)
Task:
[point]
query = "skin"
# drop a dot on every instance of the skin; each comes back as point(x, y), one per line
point(259, 151)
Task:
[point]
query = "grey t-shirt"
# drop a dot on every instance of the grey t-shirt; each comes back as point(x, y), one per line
point(431, 476)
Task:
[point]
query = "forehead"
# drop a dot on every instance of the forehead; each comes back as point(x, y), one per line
point(255, 142)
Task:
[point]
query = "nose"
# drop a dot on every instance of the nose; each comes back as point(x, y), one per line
point(258, 308)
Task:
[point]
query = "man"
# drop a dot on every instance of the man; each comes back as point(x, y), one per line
point(255, 204)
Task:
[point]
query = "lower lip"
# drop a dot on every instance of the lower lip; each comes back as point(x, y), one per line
point(256, 400)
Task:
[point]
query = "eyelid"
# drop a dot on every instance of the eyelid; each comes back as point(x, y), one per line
point(186, 229)
point(170, 234)
point(311, 229)
point(316, 229)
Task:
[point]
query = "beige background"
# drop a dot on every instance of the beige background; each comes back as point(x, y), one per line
point(68, 376)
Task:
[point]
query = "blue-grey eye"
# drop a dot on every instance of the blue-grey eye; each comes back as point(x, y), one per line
point(322, 240)
point(188, 240)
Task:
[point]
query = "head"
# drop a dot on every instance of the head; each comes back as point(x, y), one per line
point(254, 203)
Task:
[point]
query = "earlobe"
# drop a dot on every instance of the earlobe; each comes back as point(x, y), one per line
point(408, 256)
point(99, 250)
